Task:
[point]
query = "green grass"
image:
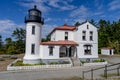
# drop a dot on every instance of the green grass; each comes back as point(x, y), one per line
point(20, 63)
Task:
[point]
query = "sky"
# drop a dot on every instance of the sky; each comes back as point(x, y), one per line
point(55, 13)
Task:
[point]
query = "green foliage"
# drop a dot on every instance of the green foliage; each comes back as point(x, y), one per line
point(83, 62)
point(52, 63)
point(11, 50)
point(99, 60)
point(20, 63)
point(108, 35)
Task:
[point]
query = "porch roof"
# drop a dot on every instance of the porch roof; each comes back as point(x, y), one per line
point(60, 42)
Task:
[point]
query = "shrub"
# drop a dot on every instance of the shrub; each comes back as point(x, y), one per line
point(65, 62)
point(19, 63)
point(41, 63)
point(53, 63)
point(83, 62)
point(99, 60)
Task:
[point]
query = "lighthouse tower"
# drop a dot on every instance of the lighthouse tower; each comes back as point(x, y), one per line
point(34, 22)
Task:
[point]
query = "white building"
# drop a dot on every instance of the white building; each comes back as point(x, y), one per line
point(107, 51)
point(66, 41)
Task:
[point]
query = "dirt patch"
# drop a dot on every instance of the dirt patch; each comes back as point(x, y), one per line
point(7, 60)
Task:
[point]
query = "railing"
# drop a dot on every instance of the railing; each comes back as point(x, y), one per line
point(105, 70)
point(34, 18)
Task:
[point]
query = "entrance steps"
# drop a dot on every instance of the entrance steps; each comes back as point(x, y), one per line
point(75, 61)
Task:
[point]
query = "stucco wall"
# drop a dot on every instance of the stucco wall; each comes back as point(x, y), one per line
point(32, 39)
point(60, 35)
point(44, 52)
point(94, 42)
point(81, 54)
point(83, 27)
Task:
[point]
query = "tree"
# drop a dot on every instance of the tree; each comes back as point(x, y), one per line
point(1, 43)
point(11, 50)
point(77, 24)
point(19, 35)
point(92, 22)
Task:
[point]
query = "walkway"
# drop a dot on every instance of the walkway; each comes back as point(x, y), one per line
point(51, 73)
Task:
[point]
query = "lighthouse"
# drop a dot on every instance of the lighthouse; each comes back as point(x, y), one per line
point(34, 22)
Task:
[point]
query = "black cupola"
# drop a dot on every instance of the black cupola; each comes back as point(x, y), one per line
point(34, 15)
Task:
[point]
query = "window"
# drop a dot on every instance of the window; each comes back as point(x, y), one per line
point(84, 35)
point(33, 29)
point(33, 49)
point(66, 35)
point(87, 49)
point(87, 26)
point(91, 35)
point(51, 50)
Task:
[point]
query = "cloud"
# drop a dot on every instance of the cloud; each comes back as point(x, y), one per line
point(40, 4)
point(114, 5)
point(98, 13)
point(81, 11)
point(98, 4)
point(61, 4)
point(47, 5)
point(7, 26)
point(46, 29)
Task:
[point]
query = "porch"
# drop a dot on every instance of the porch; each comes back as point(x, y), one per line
point(67, 51)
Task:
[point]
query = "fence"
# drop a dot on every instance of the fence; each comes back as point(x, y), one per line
point(9, 67)
point(106, 70)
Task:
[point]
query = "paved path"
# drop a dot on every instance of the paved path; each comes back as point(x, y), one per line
point(43, 74)
point(52, 73)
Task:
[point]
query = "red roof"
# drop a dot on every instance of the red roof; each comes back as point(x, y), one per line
point(64, 27)
point(60, 42)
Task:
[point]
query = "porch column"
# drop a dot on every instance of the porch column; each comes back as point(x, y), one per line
point(68, 51)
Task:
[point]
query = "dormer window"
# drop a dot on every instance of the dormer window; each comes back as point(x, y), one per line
point(66, 35)
point(84, 35)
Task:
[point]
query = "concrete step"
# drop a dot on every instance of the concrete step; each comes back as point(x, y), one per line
point(75, 61)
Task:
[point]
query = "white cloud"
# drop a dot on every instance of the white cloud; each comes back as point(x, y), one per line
point(46, 29)
point(98, 13)
point(40, 4)
point(45, 5)
point(64, 4)
point(48, 19)
point(114, 5)
point(98, 4)
point(7, 26)
point(81, 11)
